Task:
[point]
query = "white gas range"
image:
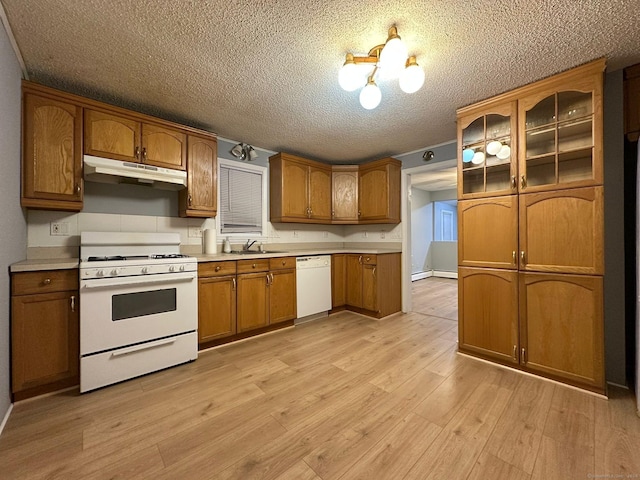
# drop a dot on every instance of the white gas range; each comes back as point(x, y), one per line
point(138, 306)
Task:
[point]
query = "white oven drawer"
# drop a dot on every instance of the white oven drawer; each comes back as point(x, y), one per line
point(121, 364)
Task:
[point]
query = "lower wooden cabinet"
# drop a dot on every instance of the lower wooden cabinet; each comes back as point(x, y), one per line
point(488, 313)
point(338, 280)
point(216, 308)
point(561, 327)
point(548, 324)
point(44, 332)
point(253, 301)
point(283, 304)
point(373, 283)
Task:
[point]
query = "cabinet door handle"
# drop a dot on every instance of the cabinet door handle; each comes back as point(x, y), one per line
point(234, 283)
point(78, 189)
point(333, 213)
point(514, 182)
point(271, 275)
point(144, 154)
point(374, 272)
point(523, 181)
point(359, 213)
point(190, 198)
point(524, 356)
point(73, 303)
point(137, 153)
point(514, 256)
point(523, 258)
point(268, 280)
point(47, 281)
point(360, 259)
point(515, 353)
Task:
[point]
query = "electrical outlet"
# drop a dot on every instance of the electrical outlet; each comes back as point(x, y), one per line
point(295, 233)
point(365, 234)
point(325, 234)
point(383, 234)
point(195, 232)
point(60, 229)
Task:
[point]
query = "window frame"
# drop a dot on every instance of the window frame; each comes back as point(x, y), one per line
point(259, 169)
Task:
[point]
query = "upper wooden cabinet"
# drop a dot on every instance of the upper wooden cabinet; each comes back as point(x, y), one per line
point(560, 131)
point(200, 198)
point(52, 153)
point(122, 138)
point(632, 102)
point(488, 232)
point(344, 179)
point(300, 190)
point(379, 191)
point(487, 150)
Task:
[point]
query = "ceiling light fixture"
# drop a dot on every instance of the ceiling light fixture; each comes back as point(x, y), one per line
point(390, 59)
point(244, 151)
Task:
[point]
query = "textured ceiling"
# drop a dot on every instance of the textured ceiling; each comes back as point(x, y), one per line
point(265, 71)
point(435, 180)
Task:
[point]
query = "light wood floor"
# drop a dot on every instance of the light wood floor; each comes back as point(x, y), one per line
point(345, 397)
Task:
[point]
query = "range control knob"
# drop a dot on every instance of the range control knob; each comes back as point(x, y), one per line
point(100, 273)
point(145, 269)
point(182, 268)
point(114, 271)
point(171, 268)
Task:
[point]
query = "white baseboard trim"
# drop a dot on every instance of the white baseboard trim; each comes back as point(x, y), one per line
point(6, 418)
point(442, 274)
point(421, 275)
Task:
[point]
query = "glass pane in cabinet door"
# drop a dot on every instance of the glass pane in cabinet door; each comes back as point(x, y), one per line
point(575, 134)
point(498, 152)
point(543, 113)
point(575, 166)
point(473, 180)
point(474, 133)
point(498, 178)
point(541, 141)
point(498, 126)
point(541, 171)
point(572, 105)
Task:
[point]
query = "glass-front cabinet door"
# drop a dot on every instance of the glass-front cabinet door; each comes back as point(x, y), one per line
point(487, 152)
point(561, 137)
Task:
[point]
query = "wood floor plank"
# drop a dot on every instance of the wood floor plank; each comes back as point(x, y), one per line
point(518, 433)
point(489, 467)
point(394, 455)
point(571, 418)
point(300, 471)
point(560, 460)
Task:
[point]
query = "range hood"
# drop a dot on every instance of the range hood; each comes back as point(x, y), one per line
point(105, 170)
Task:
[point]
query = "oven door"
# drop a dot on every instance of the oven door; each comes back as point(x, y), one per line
point(118, 312)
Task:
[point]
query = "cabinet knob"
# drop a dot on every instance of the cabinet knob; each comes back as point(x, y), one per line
point(190, 199)
point(283, 263)
point(137, 153)
point(218, 268)
point(359, 213)
point(78, 189)
point(46, 281)
point(523, 181)
point(368, 258)
point(253, 266)
point(144, 154)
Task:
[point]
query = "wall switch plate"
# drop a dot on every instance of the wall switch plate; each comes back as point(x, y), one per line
point(195, 232)
point(383, 234)
point(295, 233)
point(60, 229)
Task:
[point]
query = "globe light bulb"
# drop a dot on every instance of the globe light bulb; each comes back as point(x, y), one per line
point(393, 56)
point(349, 77)
point(412, 77)
point(370, 95)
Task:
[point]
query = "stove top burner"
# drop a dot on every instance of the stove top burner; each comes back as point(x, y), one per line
point(135, 257)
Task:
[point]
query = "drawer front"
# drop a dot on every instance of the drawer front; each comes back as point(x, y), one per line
point(282, 263)
point(46, 281)
point(216, 269)
point(255, 265)
point(370, 259)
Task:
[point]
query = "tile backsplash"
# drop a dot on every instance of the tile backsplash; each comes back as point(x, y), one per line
point(40, 235)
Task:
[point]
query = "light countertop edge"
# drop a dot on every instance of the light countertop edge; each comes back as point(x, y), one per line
point(69, 263)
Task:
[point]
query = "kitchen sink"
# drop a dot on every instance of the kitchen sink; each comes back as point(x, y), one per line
point(253, 252)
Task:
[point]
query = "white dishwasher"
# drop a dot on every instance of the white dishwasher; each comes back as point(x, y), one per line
point(313, 284)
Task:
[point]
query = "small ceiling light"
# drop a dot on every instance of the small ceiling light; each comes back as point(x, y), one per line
point(428, 155)
point(412, 77)
point(390, 59)
point(370, 95)
point(244, 151)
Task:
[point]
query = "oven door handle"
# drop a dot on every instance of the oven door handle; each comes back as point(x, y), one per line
point(140, 280)
point(146, 346)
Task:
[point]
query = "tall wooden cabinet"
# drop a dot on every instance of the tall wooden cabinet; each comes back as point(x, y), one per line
point(531, 231)
point(52, 152)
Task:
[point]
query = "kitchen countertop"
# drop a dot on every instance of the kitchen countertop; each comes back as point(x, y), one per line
point(68, 263)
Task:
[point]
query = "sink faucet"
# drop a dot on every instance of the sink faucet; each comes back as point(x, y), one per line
point(247, 245)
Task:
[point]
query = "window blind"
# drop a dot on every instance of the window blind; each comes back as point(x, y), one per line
point(240, 201)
